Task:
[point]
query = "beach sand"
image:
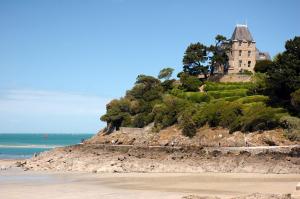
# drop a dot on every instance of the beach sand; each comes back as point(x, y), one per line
point(18, 184)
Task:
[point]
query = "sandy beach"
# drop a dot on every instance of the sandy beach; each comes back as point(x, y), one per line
point(16, 184)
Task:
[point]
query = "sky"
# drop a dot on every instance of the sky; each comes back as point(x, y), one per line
point(62, 61)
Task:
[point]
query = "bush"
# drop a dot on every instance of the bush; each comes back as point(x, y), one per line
point(253, 98)
point(263, 66)
point(221, 113)
point(246, 72)
point(167, 112)
point(258, 117)
point(212, 86)
point(197, 97)
point(259, 85)
point(228, 93)
point(186, 122)
point(142, 119)
point(292, 126)
point(189, 83)
point(295, 100)
point(168, 84)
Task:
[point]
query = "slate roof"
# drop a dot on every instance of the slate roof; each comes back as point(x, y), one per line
point(241, 33)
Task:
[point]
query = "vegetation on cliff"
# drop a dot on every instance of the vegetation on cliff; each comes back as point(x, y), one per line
point(271, 100)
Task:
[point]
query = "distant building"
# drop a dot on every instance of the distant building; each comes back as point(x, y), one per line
point(244, 53)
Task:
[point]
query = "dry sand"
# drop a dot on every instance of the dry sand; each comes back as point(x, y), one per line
point(18, 184)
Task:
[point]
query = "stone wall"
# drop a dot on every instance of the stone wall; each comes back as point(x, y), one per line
point(239, 53)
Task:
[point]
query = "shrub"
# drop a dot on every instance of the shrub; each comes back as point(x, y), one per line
point(263, 66)
point(186, 122)
point(258, 117)
point(167, 112)
point(167, 84)
point(259, 85)
point(253, 98)
point(246, 72)
point(189, 83)
point(142, 119)
point(213, 86)
point(292, 126)
point(197, 97)
point(228, 93)
point(229, 114)
point(295, 100)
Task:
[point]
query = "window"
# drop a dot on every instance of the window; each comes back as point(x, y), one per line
point(240, 53)
point(249, 63)
point(240, 43)
point(249, 53)
point(249, 43)
point(240, 63)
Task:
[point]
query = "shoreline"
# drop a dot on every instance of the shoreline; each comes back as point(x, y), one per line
point(16, 183)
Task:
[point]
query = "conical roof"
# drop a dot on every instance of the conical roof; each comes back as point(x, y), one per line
point(241, 33)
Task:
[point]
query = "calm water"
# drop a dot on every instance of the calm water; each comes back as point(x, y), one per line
point(25, 145)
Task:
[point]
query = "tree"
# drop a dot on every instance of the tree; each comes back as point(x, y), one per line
point(219, 51)
point(295, 100)
point(194, 60)
point(284, 75)
point(117, 114)
point(189, 82)
point(263, 66)
point(200, 59)
point(165, 73)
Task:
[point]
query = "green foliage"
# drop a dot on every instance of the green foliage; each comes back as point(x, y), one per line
point(246, 72)
point(283, 78)
point(197, 97)
point(165, 73)
point(263, 66)
point(214, 86)
point(194, 59)
point(259, 84)
point(220, 113)
point(142, 119)
point(292, 126)
point(258, 117)
point(186, 121)
point(118, 113)
point(295, 100)
point(198, 58)
point(167, 112)
point(253, 98)
point(228, 93)
point(168, 84)
point(219, 54)
point(189, 83)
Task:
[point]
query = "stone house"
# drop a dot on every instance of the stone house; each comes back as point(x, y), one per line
point(243, 54)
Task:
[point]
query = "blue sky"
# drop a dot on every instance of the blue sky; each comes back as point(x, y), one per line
point(61, 61)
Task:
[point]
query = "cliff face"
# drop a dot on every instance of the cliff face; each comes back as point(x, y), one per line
point(205, 136)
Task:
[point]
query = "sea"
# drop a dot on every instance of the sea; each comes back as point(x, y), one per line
point(25, 145)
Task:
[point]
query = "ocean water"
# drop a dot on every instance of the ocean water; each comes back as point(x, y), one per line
point(26, 145)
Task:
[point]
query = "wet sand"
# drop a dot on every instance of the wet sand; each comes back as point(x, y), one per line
point(17, 184)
